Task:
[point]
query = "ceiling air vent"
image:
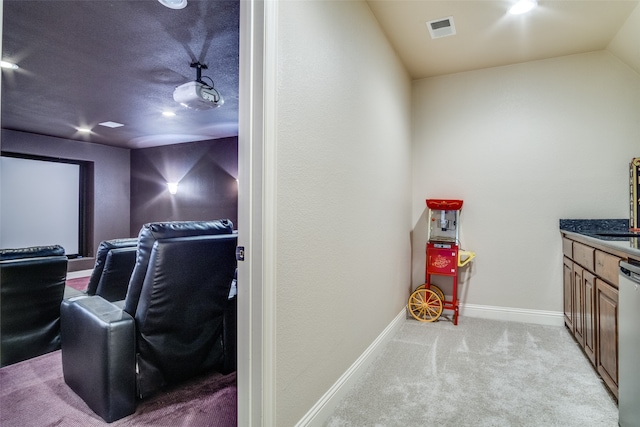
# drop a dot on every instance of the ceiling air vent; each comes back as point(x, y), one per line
point(441, 27)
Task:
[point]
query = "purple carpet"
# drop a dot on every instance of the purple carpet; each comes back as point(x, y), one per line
point(79, 283)
point(33, 393)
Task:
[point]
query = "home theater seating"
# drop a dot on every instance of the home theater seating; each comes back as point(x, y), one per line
point(176, 321)
point(32, 287)
point(114, 264)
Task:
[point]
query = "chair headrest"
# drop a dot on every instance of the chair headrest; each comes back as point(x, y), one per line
point(164, 230)
point(118, 243)
point(31, 252)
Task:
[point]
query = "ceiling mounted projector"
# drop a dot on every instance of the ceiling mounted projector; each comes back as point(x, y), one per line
point(198, 95)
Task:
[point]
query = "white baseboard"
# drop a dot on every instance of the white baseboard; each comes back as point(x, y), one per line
point(324, 407)
point(540, 317)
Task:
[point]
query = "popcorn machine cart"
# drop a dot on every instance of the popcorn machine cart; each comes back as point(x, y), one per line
point(443, 258)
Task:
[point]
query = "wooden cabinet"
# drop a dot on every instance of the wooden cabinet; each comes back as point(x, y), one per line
point(583, 255)
point(567, 247)
point(588, 313)
point(578, 304)
point(590, 281)
point(607, 267)
point(607, 328)
point(568, 292)
point(583, 303)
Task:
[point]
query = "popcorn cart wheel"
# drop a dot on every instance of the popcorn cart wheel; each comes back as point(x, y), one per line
point(435, 289)
point(425, 305)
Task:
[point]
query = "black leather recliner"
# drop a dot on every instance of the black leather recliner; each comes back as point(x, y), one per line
point(115, 260)
point(176, 322)
point(32, 282)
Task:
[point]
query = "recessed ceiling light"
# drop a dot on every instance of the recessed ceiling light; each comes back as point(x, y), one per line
point(174, 4)
point(168, 113)
point(523, 6)
point(111, 124)
point(84, 130)
point(9, 65)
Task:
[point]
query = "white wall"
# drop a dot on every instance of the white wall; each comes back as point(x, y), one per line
point(343, 202)
point(523, 145)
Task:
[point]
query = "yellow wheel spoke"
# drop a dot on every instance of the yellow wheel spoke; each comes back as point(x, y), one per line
point(425, 305)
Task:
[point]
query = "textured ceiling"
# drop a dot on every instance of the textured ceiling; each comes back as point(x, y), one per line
point(86, 62)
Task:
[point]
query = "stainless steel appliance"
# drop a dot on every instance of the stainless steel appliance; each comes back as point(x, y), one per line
point(629, 345)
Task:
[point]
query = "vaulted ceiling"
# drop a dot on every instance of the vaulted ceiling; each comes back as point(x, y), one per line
point(83, 62)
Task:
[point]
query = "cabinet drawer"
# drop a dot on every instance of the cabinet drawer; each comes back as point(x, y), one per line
point(607, 267)
point(567, 247)
point(583, 255)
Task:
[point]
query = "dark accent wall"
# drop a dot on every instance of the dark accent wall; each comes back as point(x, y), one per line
point(111, 182)
point(129, 186)
point(207, 173)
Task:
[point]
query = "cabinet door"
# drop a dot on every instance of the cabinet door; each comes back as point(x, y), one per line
point(568, 292)
point(607, 334)
point(578, 304)
point(589, 310)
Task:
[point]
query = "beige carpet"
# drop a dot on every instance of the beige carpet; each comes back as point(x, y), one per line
point(479, 373)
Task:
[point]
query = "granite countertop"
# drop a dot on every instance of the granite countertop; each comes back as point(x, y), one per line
point(613, 233)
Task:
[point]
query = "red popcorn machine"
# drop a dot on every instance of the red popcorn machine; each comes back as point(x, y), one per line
point(443, 258)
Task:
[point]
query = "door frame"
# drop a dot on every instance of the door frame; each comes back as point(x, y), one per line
point(257, 213)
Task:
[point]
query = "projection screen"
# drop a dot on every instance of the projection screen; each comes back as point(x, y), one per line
point(39, 204)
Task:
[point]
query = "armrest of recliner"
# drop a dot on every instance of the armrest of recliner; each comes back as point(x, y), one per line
point(98, 355)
